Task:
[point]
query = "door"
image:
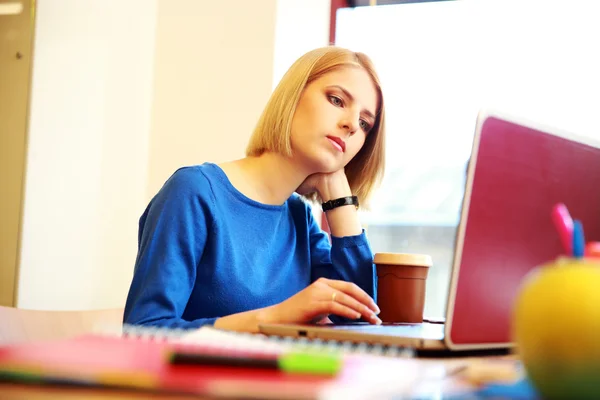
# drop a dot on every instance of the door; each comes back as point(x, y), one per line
point(16, 34)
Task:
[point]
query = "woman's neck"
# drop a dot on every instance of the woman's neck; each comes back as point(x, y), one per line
point(269, 178)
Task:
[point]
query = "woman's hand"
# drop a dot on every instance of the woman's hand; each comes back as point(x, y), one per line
point(343, 221)
point(327, 185)
point(322, 298)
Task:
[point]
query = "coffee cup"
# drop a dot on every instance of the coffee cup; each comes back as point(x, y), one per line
point(401, 286)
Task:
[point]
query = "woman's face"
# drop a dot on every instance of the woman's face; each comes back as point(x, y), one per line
point(333, 118)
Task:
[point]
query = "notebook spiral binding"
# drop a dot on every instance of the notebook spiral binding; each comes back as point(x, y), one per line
point(217, 338)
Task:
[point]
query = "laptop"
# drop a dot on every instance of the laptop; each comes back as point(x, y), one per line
point(517, 172)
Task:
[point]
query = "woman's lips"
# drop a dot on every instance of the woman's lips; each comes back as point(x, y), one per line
point(337, 143)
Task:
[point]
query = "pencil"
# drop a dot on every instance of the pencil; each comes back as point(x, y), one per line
point(294, 362)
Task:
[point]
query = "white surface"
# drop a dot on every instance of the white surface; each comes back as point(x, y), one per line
point(213, 76)
point(87, 161)
point(441, 62)
point(301, 25)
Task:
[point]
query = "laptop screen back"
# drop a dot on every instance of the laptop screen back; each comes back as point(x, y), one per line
point(516, 175)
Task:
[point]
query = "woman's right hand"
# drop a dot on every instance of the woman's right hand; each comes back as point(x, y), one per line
point(322, 298)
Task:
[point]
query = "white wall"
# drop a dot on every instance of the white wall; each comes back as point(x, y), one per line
point(123, 93)
point(216, 64)
point(301, 25)
point(214, 67)
point(87, 167)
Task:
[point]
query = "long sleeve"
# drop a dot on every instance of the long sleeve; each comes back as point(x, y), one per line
point(172, 236)
point(348, 258)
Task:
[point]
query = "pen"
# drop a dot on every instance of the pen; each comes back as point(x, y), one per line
point(564, 225)
point(578, 239)
point(299, 363)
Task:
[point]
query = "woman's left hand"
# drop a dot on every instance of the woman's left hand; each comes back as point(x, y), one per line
point(343, 221)
point(327, 185)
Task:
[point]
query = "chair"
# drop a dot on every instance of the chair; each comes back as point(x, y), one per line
point(21, 325)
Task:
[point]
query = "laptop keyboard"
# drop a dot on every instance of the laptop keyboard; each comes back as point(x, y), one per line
point(428, 331)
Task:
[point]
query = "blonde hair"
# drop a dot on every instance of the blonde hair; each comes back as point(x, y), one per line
point(273, 131)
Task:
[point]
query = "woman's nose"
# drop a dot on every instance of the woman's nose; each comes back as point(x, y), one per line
point(349, 124)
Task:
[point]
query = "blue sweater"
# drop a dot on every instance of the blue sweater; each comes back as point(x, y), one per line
point(206, 251)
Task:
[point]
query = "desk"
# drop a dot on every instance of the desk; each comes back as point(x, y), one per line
point(458, 369)
point(10, 391)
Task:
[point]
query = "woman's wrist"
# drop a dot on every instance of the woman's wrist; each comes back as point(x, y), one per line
point(248, 321)
point(267, 315)
point(334, 186)
point(343, 221)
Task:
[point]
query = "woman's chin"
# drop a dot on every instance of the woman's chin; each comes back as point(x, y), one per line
point(327, 165)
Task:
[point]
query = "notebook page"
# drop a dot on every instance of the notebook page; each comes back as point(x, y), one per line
point(229, 340)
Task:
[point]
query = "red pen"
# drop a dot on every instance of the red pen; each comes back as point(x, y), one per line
point(564, 225)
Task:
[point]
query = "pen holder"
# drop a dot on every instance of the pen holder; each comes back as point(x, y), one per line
point(556, 326)
point(401, 282)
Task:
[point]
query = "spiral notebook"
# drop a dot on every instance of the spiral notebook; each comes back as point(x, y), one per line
point(275, 344)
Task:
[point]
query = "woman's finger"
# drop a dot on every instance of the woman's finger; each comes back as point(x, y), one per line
point(355, 292)
point(333, 307)
point(350, 302)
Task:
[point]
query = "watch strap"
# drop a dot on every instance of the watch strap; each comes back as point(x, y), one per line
point(342, 201)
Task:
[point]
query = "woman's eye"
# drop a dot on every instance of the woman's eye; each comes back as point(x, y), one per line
point(336, 101)
point(364, 125)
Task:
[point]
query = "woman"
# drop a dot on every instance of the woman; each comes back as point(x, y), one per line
point(234, 245)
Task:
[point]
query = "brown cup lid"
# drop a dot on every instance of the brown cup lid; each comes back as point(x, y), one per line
point(419, 260)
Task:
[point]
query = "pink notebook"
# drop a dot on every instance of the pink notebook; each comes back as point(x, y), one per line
point(142, 364)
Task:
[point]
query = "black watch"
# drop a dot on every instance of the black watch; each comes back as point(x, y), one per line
point(343, 201)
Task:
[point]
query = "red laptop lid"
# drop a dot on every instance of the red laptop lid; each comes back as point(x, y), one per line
point(516, 175)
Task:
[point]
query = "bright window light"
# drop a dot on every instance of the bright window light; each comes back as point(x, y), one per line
point(440, 63)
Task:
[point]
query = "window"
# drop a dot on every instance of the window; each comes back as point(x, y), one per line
point(440, 63)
